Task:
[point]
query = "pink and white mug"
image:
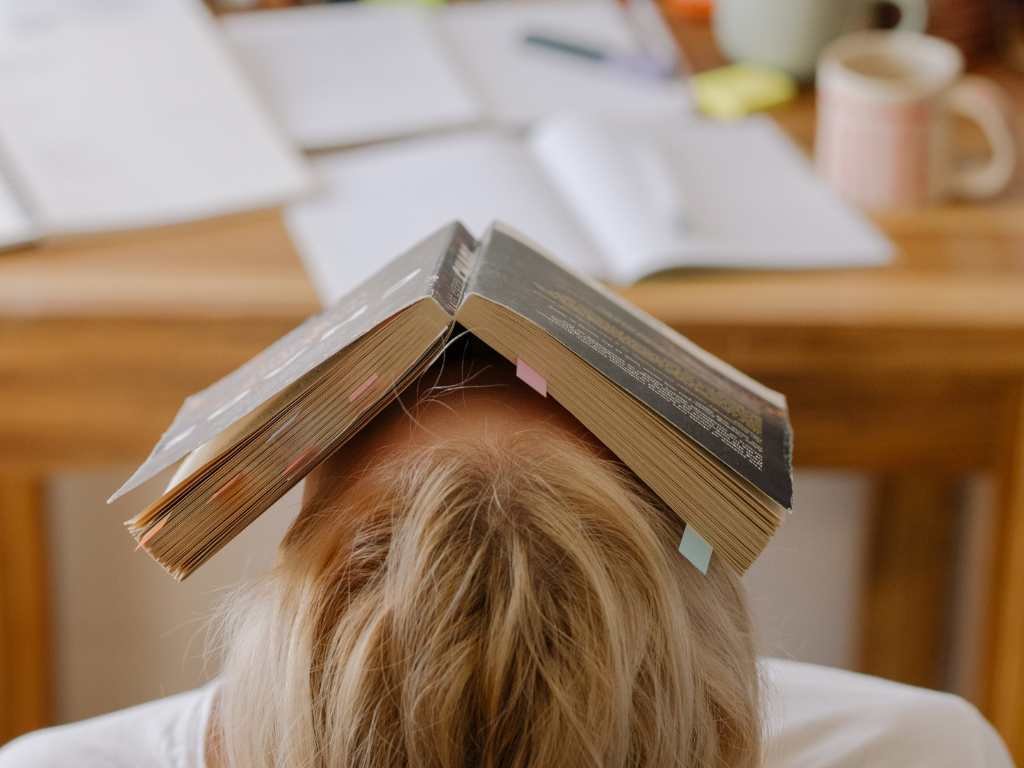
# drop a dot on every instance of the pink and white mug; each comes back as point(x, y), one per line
point(886, 102)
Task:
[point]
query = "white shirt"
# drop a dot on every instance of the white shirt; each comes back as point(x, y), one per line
point(816, 717)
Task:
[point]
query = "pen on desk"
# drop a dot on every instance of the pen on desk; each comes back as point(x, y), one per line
point(635, 63)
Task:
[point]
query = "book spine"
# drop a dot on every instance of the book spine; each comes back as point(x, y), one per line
point(454, 269)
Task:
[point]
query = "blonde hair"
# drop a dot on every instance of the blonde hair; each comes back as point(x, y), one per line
point(501, 603)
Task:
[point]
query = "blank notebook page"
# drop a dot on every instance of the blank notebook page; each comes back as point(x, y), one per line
point(352, 72)
point(123, 114)
point(521, 83)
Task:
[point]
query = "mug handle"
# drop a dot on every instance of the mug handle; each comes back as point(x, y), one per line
point(913, 15)
point(985, 103)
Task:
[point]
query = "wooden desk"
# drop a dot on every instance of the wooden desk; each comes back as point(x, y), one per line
point(914, 372)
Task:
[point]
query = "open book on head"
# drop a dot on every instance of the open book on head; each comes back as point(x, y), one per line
point(615, 199)
point(713, 444)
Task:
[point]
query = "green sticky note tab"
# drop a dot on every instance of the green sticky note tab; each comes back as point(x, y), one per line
point(696, 549)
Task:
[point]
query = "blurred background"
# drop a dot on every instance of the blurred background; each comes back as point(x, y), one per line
point(822, 192)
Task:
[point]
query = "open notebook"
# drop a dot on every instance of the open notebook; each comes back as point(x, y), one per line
point(614, 200)
point(125, 114)
point(714, 445)
point(355, 72)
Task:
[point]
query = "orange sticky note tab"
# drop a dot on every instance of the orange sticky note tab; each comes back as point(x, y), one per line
point(150, 534)
point(531, 378)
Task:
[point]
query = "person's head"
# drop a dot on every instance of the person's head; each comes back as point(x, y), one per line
point(474, 581)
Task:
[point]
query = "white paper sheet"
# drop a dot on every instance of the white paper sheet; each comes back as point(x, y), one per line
point(658, 193)
point(378, 201)
point(124, 113)
point(16, 227)
point(520, 83)
point(352, 72)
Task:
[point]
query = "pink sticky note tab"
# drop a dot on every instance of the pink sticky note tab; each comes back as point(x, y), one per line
point(531, 378)
point(362, 389)
point(299, 460)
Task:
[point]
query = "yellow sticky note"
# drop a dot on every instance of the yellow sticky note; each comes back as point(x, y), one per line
point(739, 89)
